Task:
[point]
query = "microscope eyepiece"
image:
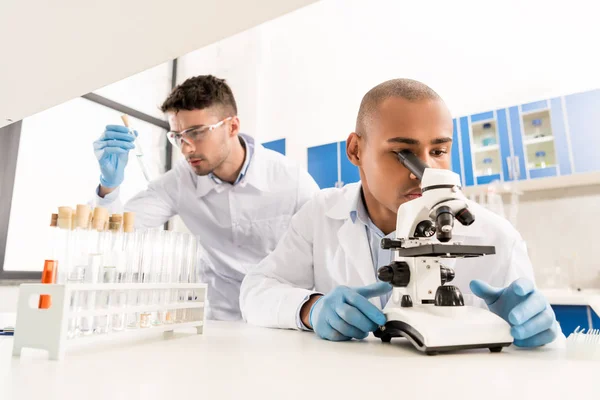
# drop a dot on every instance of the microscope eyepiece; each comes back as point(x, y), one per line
point(412, 163)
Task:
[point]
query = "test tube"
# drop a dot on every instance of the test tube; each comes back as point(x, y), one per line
point(179, 245)
point(157, 274)
point(110, 255)
point(120, 296)
point(139, 154)
point(79, 250)
point(149, 242)
point(88, 323)
point(134, 248)
point(196, 270)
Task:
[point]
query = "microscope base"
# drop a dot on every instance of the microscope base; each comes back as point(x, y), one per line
point(433, 329)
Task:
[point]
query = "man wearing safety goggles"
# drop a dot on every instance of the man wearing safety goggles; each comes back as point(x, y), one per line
point(236, 196)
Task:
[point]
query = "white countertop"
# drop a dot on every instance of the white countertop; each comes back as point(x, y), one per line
point(237, 361)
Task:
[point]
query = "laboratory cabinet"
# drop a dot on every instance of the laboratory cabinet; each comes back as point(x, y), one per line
point(570, 317)
point(276, 145)
point(551, 137)
point(546, 138)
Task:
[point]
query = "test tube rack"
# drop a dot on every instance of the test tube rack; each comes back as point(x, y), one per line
point(46, 329)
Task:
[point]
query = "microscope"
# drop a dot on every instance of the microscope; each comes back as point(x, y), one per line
point(423, 308)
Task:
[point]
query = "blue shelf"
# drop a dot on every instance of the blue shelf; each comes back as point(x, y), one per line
point(483, 180)
point(535, 173)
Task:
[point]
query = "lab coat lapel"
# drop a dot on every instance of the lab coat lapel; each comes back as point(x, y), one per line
point(359, 264)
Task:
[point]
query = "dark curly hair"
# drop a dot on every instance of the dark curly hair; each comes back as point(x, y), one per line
point(201, 92)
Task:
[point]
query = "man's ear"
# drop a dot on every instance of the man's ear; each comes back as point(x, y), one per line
point(235, 126)
point(353, 149)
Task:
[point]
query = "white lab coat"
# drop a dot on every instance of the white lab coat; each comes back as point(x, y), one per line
point(238, 225)
point(323, 249)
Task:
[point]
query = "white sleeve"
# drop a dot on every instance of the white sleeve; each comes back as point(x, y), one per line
point(153, 206)
point(519, 264)
point(272, 292)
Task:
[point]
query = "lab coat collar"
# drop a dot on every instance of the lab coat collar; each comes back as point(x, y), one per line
point(347, 203)
point(255, 175)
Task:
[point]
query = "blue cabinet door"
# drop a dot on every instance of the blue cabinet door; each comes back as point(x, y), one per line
point(465, 138)
point(570, 317)
point(519, 168)
point(323, 164)
point(559, 130)
point(595, 320)
point(505, 150)
point(349, 171)
point(583, 113)
point(276, 145)
point(456, 153)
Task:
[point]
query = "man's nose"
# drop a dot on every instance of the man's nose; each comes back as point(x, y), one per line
point(186, 148)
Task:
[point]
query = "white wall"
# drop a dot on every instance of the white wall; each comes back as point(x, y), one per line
point(319, 61)
point(83, 45)
point(315, 64)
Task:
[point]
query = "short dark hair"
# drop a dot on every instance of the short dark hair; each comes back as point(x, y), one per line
point(201, 92)
point(407, 89)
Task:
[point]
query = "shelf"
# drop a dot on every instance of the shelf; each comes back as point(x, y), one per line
point(136, 309)
point(99, 337)
point(485, 149)
point(538, 111)
point(132, 286)
point(544, 139)
point(534, 168)
point(554, 182)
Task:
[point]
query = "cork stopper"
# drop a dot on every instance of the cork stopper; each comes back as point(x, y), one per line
point(73, 220)
point(100, 218)
point(114, 223)
point(64, 217)
point(125, 119)
point(128, 221)
point(54, 220)
point(89, 224)
point(82, 216)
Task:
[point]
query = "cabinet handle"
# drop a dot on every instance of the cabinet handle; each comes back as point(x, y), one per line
point(517, 167)
point(509, 164)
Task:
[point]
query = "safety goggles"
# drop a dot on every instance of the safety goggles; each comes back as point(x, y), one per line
point(194, 134)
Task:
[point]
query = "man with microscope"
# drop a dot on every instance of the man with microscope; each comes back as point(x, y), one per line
point(236, 196)
point(324, 270)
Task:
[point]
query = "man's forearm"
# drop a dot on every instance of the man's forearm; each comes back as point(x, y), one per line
point(305, 310)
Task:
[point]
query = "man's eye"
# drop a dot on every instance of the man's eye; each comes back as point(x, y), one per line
point(439, 153)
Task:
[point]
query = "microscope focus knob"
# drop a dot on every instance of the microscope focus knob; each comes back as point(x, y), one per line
point(465, 217)
point(446, 274)
point(448, 296)
point(397, 274)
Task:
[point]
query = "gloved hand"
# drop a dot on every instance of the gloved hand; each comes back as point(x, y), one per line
point(345, 313)
point(528, 312)
point(112, 152)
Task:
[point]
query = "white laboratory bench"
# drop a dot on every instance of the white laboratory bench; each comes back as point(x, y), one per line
point(233, 360)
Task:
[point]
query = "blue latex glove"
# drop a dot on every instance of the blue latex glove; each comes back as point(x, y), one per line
point(345, 313)
point(528, 312)
point(112, 152)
